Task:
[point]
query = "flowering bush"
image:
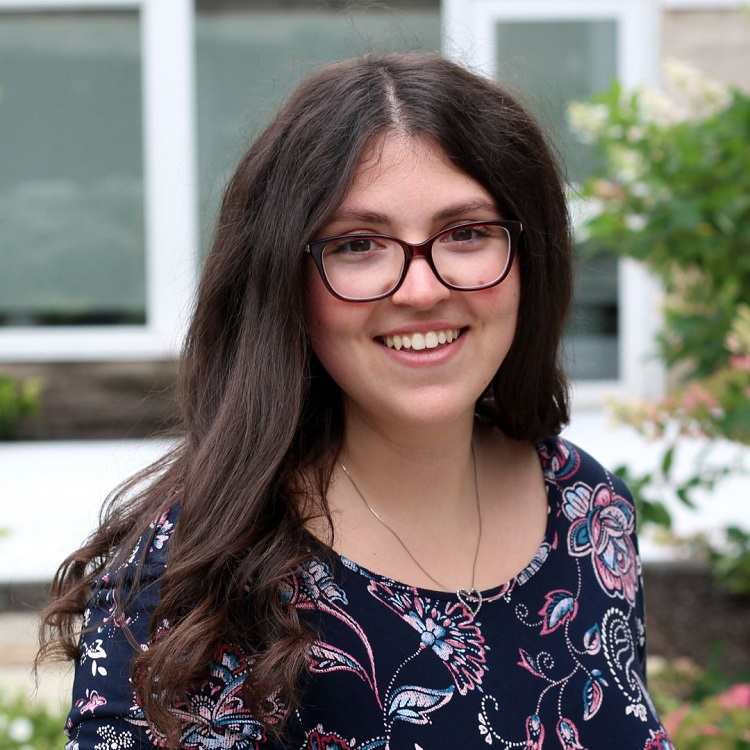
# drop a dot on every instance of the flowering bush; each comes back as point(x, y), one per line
point(673, 191)
point(700, 709)
point(29, 728)
point(720, 722)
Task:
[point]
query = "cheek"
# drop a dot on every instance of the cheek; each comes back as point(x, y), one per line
point(317, 313)
point(332, 325)
point(510, 296)
point(502, 303)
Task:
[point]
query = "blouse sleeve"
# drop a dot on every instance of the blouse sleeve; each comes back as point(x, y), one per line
point(105, 714)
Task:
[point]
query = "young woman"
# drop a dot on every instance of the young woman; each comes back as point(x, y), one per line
point(371, 536)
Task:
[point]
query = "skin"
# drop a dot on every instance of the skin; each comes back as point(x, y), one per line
point(410, 414)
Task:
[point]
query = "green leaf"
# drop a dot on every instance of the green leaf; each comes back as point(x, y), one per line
point(667, 460)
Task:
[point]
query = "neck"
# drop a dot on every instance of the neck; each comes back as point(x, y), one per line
point(413, 472)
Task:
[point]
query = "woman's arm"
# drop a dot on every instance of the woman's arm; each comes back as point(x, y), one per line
point(105, 712)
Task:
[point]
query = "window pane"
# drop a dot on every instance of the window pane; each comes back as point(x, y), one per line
point(250, 59)
point(71, 183)
point(559, 62)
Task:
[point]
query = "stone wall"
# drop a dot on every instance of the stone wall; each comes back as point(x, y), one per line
point(100, 400)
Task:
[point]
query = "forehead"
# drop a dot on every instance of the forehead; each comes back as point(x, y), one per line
point(400, 173)
point(398, 151)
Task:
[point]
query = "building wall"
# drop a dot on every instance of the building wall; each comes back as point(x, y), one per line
point(127, 399)
point(716, 41)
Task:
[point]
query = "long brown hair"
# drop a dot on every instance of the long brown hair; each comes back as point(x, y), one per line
point(262, 419)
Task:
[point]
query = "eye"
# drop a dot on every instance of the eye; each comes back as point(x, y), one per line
point(352, 245)
point(465, 234)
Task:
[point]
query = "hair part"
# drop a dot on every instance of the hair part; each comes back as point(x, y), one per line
point(262, 419)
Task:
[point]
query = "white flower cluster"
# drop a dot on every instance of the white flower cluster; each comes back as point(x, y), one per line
point(687, 95)
point(588, 121)
point(21, 730)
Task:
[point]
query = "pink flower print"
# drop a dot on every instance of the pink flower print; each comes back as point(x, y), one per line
point(602, 527)
point(215, 716)
point(320, 740)
point(560, 607)
point(658, 740)
point(444, 628)
point(115, 617)
point(567, 733)
point(163, 531)
point(561, 462)
point(534, 733)
point(92, 701)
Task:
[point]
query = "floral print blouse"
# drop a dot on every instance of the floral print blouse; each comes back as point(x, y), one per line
point(554, 658)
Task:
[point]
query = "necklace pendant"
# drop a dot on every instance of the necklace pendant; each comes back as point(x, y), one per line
point(471, 599)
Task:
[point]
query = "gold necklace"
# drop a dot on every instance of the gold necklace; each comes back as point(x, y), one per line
point(470, 598)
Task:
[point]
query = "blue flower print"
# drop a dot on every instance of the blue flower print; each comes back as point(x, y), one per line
point(312, 584)
point(215, 716)
point(444, 627)
point(567, 733)
point(559, 608)
point(560, 461)
point(163, 531)
point(217, 712)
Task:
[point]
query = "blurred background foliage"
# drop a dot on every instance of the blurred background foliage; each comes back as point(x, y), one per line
point(672, 191)
point(19, 399)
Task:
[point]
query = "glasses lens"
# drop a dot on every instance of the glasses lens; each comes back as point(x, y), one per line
point(362, 266)
point(472, 256)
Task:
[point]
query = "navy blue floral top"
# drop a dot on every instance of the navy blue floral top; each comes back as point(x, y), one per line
point(554, 658)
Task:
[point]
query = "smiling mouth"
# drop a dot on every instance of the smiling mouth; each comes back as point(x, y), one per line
point(418, 341)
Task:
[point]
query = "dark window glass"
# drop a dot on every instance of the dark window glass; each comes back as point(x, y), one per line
point(71, 183)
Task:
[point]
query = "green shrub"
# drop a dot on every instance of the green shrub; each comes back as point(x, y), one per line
point(673, 192)
point(25, 727)
point(719, 722)
point(18, 399)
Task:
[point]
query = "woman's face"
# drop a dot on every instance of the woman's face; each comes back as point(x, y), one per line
point(408, 188)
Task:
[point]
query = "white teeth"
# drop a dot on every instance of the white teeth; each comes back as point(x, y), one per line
point(419, 341)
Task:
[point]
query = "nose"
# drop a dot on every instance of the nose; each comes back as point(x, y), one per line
point(421, 288)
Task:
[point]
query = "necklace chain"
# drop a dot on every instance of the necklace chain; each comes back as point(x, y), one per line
point(471, 598)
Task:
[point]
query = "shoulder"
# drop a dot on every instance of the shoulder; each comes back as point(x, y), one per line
point(595, 514)
point(116, 626)
point(565, 464)
point(147, 559)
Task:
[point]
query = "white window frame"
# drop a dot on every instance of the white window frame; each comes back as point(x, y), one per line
point(703, 4)
point(170, 196)
point(468, 34)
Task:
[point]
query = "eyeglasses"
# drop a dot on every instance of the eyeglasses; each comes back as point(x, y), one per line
point(367, 267)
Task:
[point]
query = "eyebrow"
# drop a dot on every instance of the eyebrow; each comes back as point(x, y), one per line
point(449, 212)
